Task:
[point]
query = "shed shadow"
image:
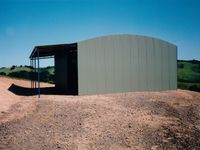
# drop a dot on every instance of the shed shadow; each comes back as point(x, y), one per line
point(24, 91)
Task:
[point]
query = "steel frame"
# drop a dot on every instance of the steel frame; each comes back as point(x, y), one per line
point(35, 71)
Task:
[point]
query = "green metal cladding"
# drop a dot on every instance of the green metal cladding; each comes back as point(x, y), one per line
point(126, 63)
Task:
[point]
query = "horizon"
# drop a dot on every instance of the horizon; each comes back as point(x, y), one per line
point(46, 22)
point(45, 66)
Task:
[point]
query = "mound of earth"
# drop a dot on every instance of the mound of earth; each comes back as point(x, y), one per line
point(11, 105)
point(136, 120)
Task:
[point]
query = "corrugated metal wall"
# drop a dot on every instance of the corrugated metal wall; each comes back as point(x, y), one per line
point(125, 63)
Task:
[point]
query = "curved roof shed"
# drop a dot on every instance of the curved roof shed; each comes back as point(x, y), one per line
point(116, 63)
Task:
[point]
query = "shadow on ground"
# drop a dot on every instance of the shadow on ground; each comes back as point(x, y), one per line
point(23, 91)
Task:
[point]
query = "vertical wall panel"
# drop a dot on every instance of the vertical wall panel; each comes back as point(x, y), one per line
point(158, 64)
point(173, 59)
point(150, 65)
point(112, 71)
point(153, 71)
point(175, 67)
point(100, 67)
point(134, 69)
point(92, 69)
point(170, 62)
point(165, 66)
point(163, 69)
point(142, 64)
point(83, 69)
point(117, 65)
point(108, 66)
point(124, 63)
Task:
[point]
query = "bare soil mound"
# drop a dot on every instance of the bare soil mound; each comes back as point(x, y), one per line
point(13, 106)
point(139, 120)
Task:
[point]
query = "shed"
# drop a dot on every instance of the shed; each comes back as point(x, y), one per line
point(110, 64)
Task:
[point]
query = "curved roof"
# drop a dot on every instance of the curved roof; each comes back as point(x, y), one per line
point(126, 35)
point(50, 50)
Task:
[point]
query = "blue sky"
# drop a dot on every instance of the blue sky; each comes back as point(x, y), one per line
point(26, 23)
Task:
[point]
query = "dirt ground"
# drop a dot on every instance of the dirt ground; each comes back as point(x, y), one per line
point(135, 120)
point(8, 99)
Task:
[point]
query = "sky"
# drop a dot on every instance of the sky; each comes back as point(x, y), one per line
point(27, 23)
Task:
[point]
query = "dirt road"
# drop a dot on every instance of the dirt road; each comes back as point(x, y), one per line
point(141, 120)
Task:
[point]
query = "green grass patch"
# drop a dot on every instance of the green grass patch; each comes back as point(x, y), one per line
point(188, 75)
point(188, 72)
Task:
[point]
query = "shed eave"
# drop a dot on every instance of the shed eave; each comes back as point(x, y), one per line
point(50, 50)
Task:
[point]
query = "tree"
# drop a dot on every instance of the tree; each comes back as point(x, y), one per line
point(3, 73)
point(13, 67)
point(180, 65)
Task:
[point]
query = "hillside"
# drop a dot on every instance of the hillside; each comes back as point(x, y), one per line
point(25, 72)
point(188, 74)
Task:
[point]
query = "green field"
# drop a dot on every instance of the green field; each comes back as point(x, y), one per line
point(26, 72)
point(188, 74)
point(7, 71)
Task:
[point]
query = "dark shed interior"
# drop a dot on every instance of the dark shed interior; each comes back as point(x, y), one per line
point(66, 69)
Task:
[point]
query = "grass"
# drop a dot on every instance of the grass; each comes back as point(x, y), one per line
point(188, 72)
point(188, 75)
